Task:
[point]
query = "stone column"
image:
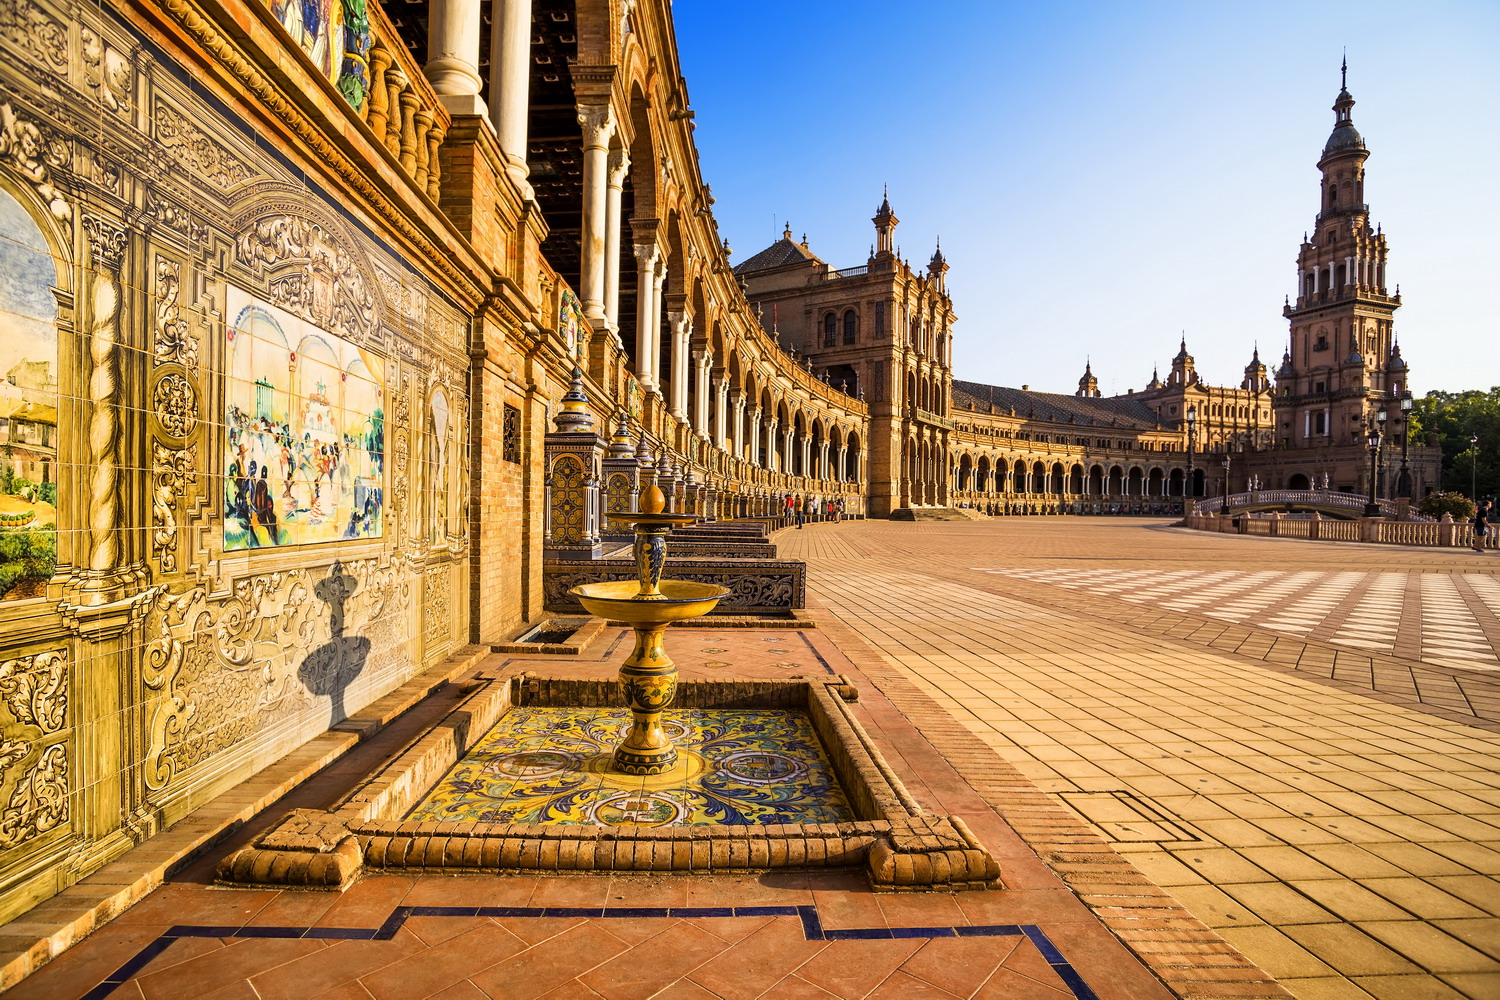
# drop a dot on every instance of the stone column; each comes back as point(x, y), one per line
point(755, 437)
point(721, 414)
point(452, 68)
point(843, 459)
point(598, 125)
point(786, 459)
point(682, 333)
point(658, 279)
point(510, 83)
point(823, 461)
point(739, 423)
point(619, 165)
point(773, 452)
point(645, 270)
point(702, 361)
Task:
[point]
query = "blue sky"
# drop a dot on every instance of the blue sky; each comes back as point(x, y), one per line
point(1106, 175)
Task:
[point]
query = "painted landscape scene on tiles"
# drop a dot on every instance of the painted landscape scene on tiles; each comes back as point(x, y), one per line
point(304, 432)
point(28, 406)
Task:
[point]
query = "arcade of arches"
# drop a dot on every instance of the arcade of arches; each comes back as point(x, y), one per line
point(298, 299)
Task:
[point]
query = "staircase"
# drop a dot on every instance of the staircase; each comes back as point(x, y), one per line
point(936, 514)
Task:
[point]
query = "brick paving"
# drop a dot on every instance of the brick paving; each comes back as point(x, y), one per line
point(1331, 808)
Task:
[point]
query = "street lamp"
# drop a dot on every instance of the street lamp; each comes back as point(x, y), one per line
point(1403, 483)
point(1380, 417)
point(1187, 487)
point(1225, 508)
point(1473, 454)
point(1372, 509)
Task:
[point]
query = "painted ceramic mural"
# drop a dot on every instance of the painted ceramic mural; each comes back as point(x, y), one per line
point(570, 322)
point(304, 432)
point(28, 406)
point(336, 35)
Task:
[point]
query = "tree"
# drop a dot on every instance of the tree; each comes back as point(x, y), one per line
point(1455, 417)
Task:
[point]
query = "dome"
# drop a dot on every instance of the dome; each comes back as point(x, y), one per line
point(1344, 138)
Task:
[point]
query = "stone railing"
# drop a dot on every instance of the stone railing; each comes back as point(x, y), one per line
point(1307, 498)
point(401, 107)
point(1432, 534)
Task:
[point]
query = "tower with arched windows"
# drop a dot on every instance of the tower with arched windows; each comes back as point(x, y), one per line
point(881, 331)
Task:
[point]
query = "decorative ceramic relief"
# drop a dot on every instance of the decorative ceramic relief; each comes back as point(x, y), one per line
point(33, 756)
point(28, 405)
point(570, 324)
point(336, 35)
point(304, 431)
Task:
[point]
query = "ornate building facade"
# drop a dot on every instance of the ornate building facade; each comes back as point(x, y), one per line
point(291, 304)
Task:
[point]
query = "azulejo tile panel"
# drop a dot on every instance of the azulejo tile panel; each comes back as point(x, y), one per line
point(552, 765)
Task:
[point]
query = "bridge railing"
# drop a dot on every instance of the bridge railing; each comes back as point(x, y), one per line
point(1303, 498)
point(1275, 524)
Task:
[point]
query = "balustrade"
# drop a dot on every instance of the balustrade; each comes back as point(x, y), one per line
point(401, 107)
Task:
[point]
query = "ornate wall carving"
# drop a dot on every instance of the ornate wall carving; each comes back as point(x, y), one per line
point(33, 755)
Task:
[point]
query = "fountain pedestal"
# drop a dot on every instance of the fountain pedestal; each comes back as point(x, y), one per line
point(648, 678)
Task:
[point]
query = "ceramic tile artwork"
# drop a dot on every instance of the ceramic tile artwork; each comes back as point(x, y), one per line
point(551, 765)
point(28, 405)
point(304, 431)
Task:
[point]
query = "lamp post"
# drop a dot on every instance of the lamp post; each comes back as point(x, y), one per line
point(1372, 509)
point(1224, 508)
point(1473, 455)
point(1380, 417)
point(1403, 482)
point(1187, 487)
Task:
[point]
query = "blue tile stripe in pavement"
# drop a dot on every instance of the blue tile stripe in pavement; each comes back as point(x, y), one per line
point(812, 930)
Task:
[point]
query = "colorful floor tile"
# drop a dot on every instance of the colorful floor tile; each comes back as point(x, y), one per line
point(552, 765)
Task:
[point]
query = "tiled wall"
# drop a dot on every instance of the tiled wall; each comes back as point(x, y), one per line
point(178, 301)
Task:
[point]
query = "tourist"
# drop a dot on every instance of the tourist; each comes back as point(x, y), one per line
point(1481, 524)
point(838, 511)
point(797, 509)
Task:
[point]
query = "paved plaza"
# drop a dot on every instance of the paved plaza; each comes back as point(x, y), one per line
point(1209, 767)
point(1298, 740)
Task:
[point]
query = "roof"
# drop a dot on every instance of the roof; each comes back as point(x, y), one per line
point(1054, 407)
point(779, 254)
point(36, 413)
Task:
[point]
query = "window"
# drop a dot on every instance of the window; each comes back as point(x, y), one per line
point(510, 435)
point(880, 327)
point(1320, 423)
point(830, 330)
point(1320, 387)
point(851, 327)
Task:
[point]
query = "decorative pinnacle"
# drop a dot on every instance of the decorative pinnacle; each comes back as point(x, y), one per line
point(575, 418)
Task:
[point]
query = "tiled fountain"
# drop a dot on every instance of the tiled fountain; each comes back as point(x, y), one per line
point(538, 773)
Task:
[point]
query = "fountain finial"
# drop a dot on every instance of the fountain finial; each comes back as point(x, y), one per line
point(574, 417)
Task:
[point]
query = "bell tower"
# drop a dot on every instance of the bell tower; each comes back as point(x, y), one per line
point(1342, 323)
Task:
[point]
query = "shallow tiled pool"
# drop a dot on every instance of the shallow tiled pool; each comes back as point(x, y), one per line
point(551, 765)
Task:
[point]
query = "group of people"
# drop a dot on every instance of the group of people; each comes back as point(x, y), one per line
point(805, 508)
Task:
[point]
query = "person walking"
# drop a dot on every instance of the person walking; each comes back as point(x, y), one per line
point(789, 510)
point(838, 511)
point(1481, 524)
point(797, 508)
point(809, 508)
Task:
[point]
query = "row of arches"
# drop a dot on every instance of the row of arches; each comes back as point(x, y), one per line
point(986, 475)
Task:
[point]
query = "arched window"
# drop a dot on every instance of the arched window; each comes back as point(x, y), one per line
point(851, 327)
point(830, 330)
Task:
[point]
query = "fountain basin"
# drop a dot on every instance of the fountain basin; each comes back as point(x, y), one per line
point(900, 847)
point(617, 601)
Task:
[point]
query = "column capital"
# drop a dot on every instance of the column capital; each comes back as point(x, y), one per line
point(619, 165)
point(645, 255)
point(703, 357)
point(598, 123)
point(660, 273)
point(681, 322)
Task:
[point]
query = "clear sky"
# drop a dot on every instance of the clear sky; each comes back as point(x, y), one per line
point(1106, 175)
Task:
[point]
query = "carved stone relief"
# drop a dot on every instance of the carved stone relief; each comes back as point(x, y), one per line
point(34, 156)
point(107, 72)
point(172, 470)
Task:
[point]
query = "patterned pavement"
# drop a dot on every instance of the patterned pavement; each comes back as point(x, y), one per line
point(1299, 740)
point(1456, 614)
